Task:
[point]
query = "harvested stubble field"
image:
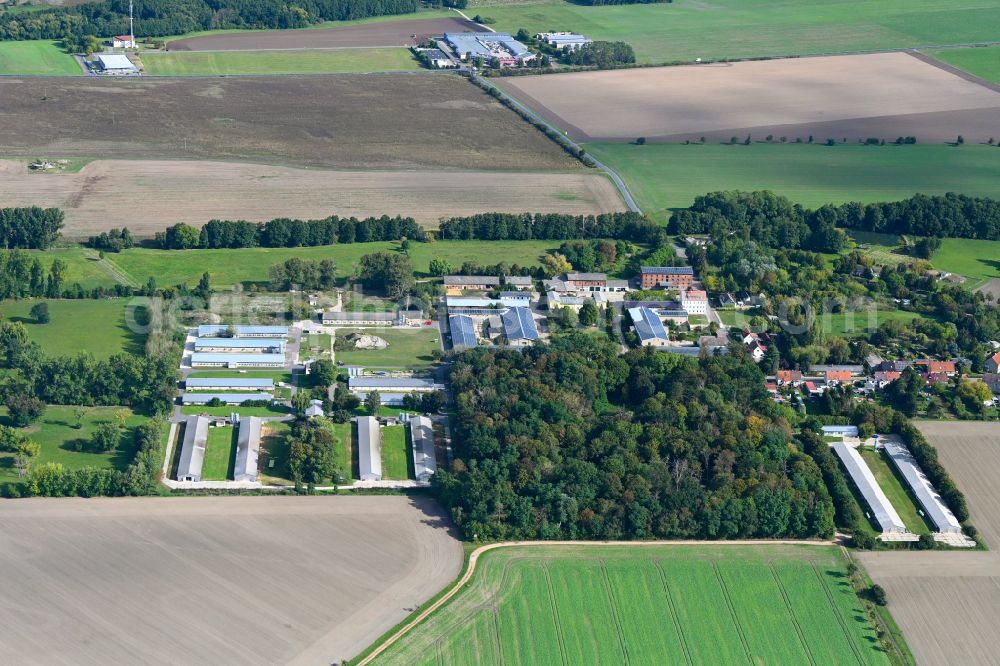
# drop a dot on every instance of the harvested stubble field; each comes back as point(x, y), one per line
point(845, 97)
point(385, 33)
point(647, 604)
point(948, 603)
point(221, 580)
point(195, 192)
point(369, 121)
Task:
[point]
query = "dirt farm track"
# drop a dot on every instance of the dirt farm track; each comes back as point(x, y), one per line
point(221, 580)
point(948, 603)
point(882, 95)
point(387, 33)
point(365, 121)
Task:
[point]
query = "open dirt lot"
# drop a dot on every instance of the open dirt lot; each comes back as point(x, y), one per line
point(991, 288)
point(339, 121)
point(948, 603)
point(222, 580)
point(389, 33)
point(168, 192)
point(882, 95)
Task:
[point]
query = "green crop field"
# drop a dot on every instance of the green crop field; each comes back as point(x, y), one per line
point(651, 605)
point(983, 61)
point(395, 453)
point(319, 61)
point(662, 176)
point(893, 488)
point(55, 431)
point(408, 347)
point(97, 326)
point(228, 267)
point(36, 57)
point(220, 454)
point(687, 29)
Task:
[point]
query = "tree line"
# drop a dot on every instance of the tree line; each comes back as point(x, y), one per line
point(775, 221)
point(146, 383)
point(139, 478)
point(285, 232)
point(603, 55)
point(551, 226)
point(572, 441)
point(31, 227)
point(158, 18)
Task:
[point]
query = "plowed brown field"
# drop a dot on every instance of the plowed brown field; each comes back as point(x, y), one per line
point(148, 196)
point(338, 121)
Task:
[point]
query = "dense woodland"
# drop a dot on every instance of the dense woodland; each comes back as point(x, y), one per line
point(775, 221)
point(30, 228)
point(575, 441)
point(551, 226)
point(158, 18)
point(285, 232)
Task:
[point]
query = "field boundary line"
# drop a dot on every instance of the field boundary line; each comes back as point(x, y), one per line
point(837, 613)
point(615, 178)
point(475, 555)
point(791, 613)
point(555, 612)
point(614, 610)
point(673, 612)
point(732, 613)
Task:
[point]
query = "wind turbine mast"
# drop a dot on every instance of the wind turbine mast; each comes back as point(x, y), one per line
point(131, 26)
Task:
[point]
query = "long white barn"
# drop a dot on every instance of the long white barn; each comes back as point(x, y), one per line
point(369, 449)
point(885, 514)
point(942, 517)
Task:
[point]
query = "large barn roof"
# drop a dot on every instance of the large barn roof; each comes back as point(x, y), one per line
point(422, 437)
point(518, 324)
point(463, 331)
point(369, 449)
point(885, 514)
point(929, 499)
point(247, 449)
point(647, 324)
point(229, 382)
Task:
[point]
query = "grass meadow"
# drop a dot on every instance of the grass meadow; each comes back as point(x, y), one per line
point(318, 61)
point(662, 176)
point(983, 61)
point(688, 29)
point(395, 453)
point(99, 327)
point(408, 347)
point(82, 265)
point(228, 267)
point(649, 605)
point(220, 454)
point(976, 260)
point(55, 431)
point(37, 57)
